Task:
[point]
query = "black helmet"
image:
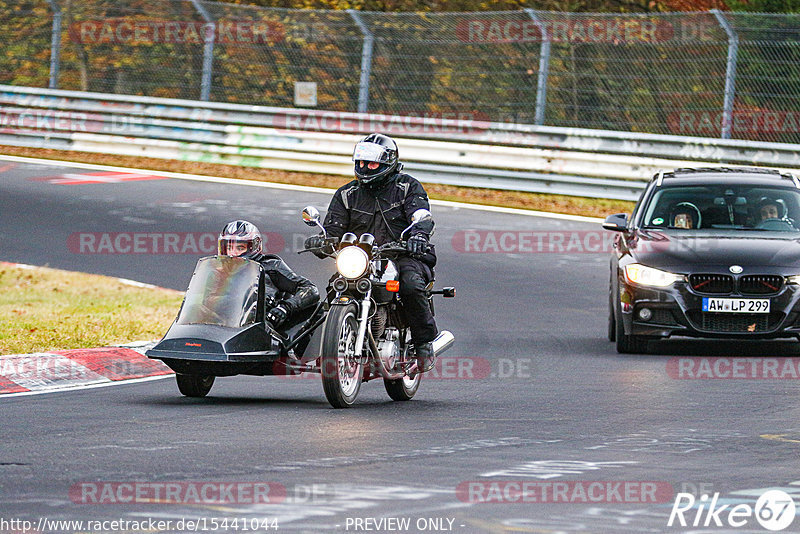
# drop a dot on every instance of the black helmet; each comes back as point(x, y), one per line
point(689, 209)
point(380, 149)
point(779, 204)
point(239, 232)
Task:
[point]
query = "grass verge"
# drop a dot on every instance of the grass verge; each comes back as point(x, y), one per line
point(45, 309)
point(591, 207)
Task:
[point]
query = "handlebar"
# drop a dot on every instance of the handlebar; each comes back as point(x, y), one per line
point(393, 248)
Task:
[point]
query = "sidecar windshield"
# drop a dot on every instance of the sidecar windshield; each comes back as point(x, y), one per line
point(223, 291)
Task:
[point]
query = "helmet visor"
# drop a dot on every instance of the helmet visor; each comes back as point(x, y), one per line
point(235, 247)
point(371, 152)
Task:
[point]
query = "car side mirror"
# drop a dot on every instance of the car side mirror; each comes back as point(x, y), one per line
point(616, 223)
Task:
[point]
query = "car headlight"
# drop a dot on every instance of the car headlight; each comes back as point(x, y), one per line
point(793, 279)
point(643, 275)
point(352, 262)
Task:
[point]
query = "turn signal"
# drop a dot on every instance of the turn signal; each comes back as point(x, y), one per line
point(393, 286)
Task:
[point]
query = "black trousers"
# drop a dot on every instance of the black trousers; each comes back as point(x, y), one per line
point(414, 276)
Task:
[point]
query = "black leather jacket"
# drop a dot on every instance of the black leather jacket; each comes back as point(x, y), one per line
point(384, 211)
point(296, 292)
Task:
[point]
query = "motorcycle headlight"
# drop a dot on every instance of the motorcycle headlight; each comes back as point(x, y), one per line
point(648, 276)
point(352, 262)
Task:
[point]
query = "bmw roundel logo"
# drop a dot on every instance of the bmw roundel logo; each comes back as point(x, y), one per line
point(736, 269)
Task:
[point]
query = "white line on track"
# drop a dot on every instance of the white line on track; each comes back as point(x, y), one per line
point(289, 187)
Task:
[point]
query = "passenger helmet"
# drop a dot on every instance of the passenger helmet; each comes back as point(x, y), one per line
point(239, 232)
point(380, 149)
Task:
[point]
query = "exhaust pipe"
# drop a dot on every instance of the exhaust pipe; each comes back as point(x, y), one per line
point(443, 342)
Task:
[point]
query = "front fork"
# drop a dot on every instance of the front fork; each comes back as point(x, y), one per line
point(363, 321)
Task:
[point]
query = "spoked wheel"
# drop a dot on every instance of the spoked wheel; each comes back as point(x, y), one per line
point(341, 369)
point(194, 385)
point(403, 389)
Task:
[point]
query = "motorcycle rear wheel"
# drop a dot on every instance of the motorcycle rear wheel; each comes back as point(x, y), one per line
point(341, 370)
point(403, 389)
point(194, 385)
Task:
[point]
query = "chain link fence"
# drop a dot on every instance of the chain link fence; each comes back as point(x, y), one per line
point(713, 74)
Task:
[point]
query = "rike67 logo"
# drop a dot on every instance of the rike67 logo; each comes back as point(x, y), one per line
point(774, 510)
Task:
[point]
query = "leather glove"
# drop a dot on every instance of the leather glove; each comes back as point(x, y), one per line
point(417, 244)
point(315, 241)
point(277, 315)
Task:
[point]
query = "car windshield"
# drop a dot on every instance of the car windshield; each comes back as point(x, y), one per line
point(223, 291)
point(740, 207)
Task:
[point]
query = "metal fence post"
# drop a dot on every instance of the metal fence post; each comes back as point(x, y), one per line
point(55, 45)
point(208, 50)
point(544, 68)
point(366, 61)
point(730, 74)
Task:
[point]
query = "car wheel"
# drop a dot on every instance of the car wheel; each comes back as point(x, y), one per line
point(628, 344)
point(612, 322)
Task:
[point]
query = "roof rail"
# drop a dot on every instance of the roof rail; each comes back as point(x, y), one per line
point(751, 170)
point(659, 178)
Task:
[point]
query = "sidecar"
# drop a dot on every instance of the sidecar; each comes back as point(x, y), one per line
point(221, 329)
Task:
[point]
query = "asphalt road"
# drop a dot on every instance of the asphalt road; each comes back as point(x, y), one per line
point(543, 399)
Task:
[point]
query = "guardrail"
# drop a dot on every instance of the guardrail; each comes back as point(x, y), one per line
point(455, 151)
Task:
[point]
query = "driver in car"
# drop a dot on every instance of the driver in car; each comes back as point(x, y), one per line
point(380, 201)
point(297, 293)
point(685, 215)
point(770, 209)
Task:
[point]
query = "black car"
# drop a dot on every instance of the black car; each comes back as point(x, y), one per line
point(711, 252)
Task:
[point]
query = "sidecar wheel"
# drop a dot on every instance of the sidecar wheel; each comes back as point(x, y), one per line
point(341, 371)
point(194, 385)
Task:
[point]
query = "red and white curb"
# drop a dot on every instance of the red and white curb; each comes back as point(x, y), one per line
point(61, 370)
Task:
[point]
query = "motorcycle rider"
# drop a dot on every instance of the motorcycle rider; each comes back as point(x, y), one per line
point(297, 294)
point(380, 201)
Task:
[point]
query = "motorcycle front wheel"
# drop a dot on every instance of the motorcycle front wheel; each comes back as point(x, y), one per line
point(194, 385)
point(341, 369)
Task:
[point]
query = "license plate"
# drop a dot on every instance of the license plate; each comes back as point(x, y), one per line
point(717, 305)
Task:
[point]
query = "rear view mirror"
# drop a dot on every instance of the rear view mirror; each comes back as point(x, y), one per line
point(310, 216)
